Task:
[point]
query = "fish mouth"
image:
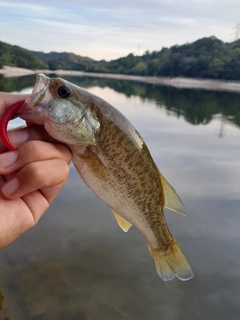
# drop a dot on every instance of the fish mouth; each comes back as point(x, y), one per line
point(39, 90)
point(37, 101)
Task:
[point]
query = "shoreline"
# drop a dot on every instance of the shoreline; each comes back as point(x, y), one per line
point(174, 82)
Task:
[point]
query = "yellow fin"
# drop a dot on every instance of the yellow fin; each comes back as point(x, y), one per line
point(172, 263)
point(171, 199)
point(123, 224)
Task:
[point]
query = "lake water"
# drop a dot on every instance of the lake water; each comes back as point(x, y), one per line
point(77, 264)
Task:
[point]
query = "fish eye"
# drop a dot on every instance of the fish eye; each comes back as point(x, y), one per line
point(64, 92)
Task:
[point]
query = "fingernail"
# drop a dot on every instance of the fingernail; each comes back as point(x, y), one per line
point(19, 136)
point(10, 187)
point(8, 158)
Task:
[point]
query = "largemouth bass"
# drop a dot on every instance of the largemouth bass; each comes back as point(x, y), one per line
point(114, 162)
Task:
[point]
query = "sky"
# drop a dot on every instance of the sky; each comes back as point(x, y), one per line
point(109, 29)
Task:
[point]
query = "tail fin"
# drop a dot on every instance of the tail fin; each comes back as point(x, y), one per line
point(171, 263)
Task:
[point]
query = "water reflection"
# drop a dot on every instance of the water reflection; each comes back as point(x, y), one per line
point(1, 307)
point(1, 301)
point(196, 106)
point(78, 264)
point(16, 83)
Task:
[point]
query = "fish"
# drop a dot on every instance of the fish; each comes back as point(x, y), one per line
point(113, 160)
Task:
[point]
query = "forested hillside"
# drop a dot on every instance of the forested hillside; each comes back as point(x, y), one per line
point(63, 60)
point(204, 58)
point(15, 56)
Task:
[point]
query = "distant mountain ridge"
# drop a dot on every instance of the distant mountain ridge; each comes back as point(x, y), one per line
point(15, 56)
point(61, 60)
point(205, 58)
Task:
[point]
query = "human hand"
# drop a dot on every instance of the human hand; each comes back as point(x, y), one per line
point(30, 177)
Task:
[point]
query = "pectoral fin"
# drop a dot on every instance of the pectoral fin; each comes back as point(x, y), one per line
point(123, 224)
point(171, 199)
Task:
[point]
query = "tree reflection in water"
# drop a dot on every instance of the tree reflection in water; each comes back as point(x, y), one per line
point(196, 106)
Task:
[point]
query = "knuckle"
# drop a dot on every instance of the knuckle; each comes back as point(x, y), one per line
point(64, 152)
point(35, 171)
point(64, 169)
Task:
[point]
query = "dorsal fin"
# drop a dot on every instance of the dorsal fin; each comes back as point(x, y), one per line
point(123, 224)
point(171, 199)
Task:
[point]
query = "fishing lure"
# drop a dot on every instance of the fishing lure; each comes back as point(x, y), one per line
point(7, 116)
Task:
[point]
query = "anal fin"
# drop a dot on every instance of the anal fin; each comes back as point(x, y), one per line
point(123, 224)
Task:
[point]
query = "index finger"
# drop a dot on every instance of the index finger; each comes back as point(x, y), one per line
point(27, 133)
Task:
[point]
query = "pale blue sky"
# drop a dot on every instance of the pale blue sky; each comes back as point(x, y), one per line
point(109, 29)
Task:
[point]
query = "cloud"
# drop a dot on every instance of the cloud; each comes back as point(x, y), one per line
point(18, 5)
point(107, 30)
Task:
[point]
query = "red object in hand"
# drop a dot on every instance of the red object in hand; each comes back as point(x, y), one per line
point(7, 116)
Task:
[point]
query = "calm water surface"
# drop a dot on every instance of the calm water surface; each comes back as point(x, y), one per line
point(78, 264)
